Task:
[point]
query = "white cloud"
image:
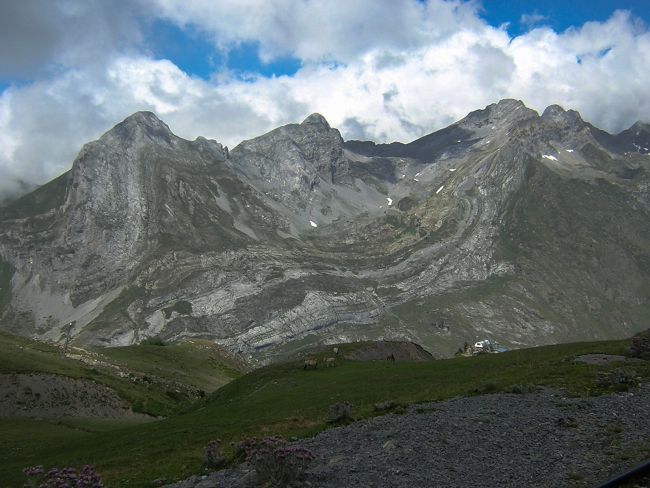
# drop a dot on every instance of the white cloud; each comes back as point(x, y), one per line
point(416, 69)
point(43, 125)
point(37, 36)
point(601, 70)
point(322, 29)
point(532, 19)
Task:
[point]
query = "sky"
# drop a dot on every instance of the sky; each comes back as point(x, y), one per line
point(381, 70)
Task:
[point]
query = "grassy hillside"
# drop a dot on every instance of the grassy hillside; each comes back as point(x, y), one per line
point(198, 363)
point(157, 380)
point(284, 399)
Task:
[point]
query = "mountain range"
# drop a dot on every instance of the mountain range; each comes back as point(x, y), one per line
point(522, 228)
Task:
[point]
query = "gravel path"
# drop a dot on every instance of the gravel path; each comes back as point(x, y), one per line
point(541, 439)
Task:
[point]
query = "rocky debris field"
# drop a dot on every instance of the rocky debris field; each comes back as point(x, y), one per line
point(53, 396)
point(542, 439)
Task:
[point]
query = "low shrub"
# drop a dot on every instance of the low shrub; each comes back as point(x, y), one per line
point(213, 457)
point(640, 345)
point(175, 395)
point(67, 477)
point(384, 406)
point(138, 407)
point(181, 307)
point(486, 388)
point(520, 389)
point(275, 463)
point(153, 341)
point(617, 379)
point(340, 412)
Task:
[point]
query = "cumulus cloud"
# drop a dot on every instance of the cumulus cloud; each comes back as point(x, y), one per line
point(37, 36)
point(426, 66)
point(43, 125)
point(322, 29)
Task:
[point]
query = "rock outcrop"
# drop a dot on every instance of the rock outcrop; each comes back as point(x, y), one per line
point(523, 228)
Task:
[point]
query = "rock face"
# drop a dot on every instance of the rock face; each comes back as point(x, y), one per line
point(302, 169)
point(508, 225)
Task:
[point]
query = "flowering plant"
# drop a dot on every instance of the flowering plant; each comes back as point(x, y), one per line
point(66, 477)
point(274, 461)
point(213, 456)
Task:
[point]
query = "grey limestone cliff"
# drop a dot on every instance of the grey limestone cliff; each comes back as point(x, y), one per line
point(523, 228)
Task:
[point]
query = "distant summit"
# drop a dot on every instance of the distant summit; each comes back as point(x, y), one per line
point(556, 114)
point(140, 124)
point(316, 119)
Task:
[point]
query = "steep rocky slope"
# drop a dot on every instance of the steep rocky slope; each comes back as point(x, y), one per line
point(524, 228)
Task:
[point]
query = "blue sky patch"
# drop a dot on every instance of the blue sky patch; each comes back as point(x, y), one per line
point(195, 54)
point(557, 14)
point(187, 49)
point(245, 58)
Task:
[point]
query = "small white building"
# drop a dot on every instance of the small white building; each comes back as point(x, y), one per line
point(486, 345)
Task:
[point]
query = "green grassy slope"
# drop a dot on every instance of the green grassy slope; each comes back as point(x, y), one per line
point(198, 363)
point(158, 380)
point(284, 399)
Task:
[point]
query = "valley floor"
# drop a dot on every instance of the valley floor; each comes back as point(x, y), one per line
point(541, 439)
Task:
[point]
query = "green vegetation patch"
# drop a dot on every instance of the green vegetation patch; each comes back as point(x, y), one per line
point(142, 375)
point(181, 307)
point(286, 400)
point(153, 341)
point(6, 273)
point(198, 363)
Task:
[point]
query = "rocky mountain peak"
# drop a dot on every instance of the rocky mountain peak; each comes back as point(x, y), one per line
point(304, 149)
point(316, 119)
point(634, 139)
point(311, 132)
point(504, 113)
point(507, 104)
point(295, 163)
point(144, 118)
point(557, 115)
point(139, 127)
point(640, 127)
point(509, 109)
